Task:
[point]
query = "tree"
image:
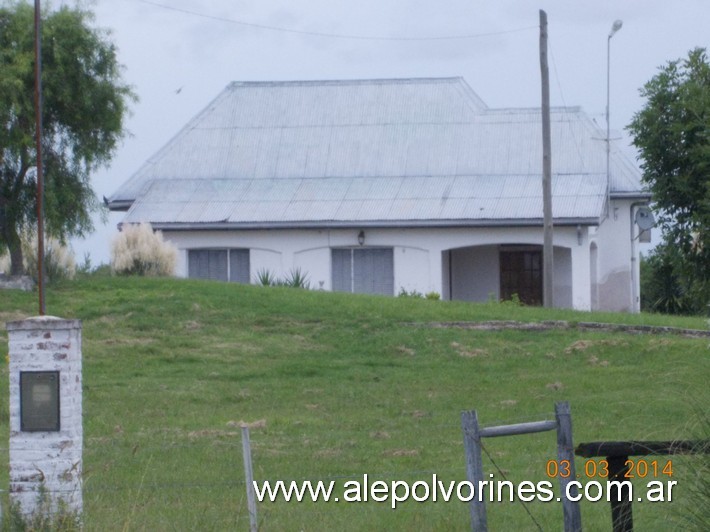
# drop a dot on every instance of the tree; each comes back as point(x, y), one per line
point(672, 133)
point(664, 288)
point(84, 106)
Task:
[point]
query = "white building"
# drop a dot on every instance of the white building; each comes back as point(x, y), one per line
point(382, 185)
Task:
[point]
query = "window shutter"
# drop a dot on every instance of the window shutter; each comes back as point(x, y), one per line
point(373, 271)
point(218, 264)
point(197, 264)
point(239, 266)
point(341, 264)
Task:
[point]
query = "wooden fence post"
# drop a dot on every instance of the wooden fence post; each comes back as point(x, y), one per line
point(474, 469)
point(622, 519)
point(565, 451)
point(617, 454)
point(472, 435)
point(249, 476)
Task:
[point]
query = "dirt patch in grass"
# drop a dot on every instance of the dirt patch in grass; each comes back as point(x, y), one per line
point(468, 352)
point(192, 325)
point(239, 347)
point(213, 433)
point(583, 345)
point(328, 453)
point(403, 349)
point(127, 341)
point(401, 452)
point(258, 424)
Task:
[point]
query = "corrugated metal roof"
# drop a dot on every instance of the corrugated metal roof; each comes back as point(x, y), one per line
point(410, 149)
point(352, 200)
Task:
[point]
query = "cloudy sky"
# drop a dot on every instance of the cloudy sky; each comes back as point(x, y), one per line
point(179, 54)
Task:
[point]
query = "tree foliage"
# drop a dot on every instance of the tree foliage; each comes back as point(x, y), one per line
point(664, 285)
point(672, 133)
point(84, 107)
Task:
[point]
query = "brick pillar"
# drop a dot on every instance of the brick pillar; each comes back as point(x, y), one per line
point(45, 459)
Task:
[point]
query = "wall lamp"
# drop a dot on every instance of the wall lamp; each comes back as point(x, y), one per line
point(361, 238)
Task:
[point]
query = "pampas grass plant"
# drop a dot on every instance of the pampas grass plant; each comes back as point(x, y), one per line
point(138, 250)
point(59, 259)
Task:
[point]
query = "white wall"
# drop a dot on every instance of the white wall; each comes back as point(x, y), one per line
point(475, 273)
point(618, 259)
point(420, 256)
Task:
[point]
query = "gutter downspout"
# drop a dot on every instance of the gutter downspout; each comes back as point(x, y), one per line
point(635, 283)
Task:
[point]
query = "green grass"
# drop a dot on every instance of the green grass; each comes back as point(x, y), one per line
point(342, 386)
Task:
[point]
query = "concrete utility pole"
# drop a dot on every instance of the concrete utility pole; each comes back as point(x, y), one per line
point(547, 261)
point(614, 28)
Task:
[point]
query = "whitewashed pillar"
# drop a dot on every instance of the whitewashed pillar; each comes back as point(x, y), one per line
point(45, 449)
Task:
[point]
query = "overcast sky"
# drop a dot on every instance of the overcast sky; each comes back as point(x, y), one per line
point(179, 54)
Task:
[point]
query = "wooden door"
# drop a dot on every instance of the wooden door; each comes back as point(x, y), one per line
point(521, 274)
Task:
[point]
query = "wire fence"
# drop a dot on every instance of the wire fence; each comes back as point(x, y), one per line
point(183, 480)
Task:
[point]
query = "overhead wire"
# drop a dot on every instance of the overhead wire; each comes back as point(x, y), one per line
point(328, 35)
point(575, 140)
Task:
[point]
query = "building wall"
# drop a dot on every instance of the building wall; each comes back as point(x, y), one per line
point(421, 256)
point(616, 239)
point(474, 273)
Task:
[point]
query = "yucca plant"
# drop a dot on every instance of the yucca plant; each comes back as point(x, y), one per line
point(265, 277)
point(296, 278)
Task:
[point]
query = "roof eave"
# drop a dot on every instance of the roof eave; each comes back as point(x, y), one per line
point(119, 205)
point(379, 224)
point(633, 194)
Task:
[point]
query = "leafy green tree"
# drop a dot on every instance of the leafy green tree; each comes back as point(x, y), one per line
point(672, 133)
point(84, 106)
point(663, 286)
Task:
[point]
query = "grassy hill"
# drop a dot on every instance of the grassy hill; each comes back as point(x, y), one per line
point(337, 386)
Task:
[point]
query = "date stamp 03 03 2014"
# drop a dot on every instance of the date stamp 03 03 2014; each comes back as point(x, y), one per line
point(640, 469)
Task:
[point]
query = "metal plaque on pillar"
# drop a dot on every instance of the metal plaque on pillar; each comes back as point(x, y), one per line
point(39, 401)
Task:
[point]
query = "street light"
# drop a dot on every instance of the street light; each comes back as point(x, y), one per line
point(614, 28)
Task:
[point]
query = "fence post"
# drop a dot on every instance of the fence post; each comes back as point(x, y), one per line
point(622, 519)
point(565, 451)
point(474, 469)
point(249, 476)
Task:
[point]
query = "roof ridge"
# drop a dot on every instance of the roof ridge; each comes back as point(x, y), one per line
point(554, 108)
point(366, 81)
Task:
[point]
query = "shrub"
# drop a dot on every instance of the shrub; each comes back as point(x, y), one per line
point(694, 511)
point(59, 260)
point(413, 293)
point(138, 250)
point(435, 296)
point(669, 285)
point(5, 262)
